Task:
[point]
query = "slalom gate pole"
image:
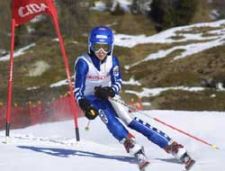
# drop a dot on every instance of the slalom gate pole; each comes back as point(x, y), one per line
point(168, 125)
point(10, 80)
point(66, 64)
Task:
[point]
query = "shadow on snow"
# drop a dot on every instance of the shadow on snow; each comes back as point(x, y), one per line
point(60, 152)
point(170, 160)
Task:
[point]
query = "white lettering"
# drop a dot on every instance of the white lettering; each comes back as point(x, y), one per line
point(31, 9)
point(96, 77)
point(22, 12)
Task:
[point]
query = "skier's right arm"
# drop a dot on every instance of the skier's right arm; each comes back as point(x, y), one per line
point(81, 70)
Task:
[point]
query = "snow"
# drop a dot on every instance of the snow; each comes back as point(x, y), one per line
point(199, 47)
point(124, 4)
point(186, 50)
point(99, 6)
point(52, 146)
point(131, 81)
point(17, 53)
point(38, 68)
point(195, 41)
point(214, 14)
point(33, 88)
point(167, 35)
point(55, 39)
point(59, 83)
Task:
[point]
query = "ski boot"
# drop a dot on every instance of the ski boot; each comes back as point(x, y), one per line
point(138, 151)
point(143, 161)
point(180, 153)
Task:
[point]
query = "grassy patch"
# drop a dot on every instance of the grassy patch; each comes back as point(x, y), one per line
point(202, 12)
point(187, 71)
point(183, 100)
point(124, 23)
point(177, 37)
point(175, 53)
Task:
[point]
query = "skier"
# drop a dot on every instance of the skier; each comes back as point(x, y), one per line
point(98, 81)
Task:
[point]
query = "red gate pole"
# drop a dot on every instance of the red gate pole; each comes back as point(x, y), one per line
point(10, 79)
point(66, 64)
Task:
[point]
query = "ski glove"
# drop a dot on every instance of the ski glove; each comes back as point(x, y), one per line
point(90, 112)
point(104, 92)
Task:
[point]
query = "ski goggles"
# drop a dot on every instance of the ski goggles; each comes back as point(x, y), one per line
point(104, 47)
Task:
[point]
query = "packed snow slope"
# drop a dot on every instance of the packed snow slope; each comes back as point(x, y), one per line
point(52, 146)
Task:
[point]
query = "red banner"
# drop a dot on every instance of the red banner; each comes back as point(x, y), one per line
point(25, 10)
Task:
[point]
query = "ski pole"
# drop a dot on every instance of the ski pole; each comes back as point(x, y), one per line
point(185, 133)
point(87, 127)
point(89, 121)
point(168, 125)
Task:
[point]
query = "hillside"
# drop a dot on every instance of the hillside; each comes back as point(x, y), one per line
point(150, 60)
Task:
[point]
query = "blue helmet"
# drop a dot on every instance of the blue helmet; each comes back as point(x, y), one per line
point(101, 35)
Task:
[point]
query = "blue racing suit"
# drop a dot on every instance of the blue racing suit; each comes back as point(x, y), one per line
point(90, 72)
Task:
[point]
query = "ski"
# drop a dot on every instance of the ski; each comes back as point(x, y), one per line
point(188, 162)
point(143, 165)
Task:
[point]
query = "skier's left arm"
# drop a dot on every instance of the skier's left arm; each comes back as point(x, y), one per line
point(116, 76)
point(116, 82)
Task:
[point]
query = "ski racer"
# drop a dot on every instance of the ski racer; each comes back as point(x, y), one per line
point(98, 81)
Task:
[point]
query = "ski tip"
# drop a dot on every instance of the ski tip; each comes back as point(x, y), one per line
point(143, 166)
point(190, 164)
